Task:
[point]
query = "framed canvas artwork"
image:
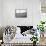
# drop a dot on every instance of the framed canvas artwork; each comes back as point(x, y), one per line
point(21, 13)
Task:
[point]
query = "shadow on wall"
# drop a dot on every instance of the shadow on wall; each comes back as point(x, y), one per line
point(1, 32)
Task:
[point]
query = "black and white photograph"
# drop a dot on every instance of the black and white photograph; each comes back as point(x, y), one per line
point(21, 13)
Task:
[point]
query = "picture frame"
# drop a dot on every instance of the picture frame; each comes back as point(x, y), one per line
point(21, 13)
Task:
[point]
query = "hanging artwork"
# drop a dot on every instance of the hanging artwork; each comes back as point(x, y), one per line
point(21, 13)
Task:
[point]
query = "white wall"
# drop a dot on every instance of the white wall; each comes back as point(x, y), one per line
point(0, 12)
point(1, 17)
point(36, 12)
point(33, 12)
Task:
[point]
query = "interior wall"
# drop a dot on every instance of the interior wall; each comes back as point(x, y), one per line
point(36, 12)
point(1, 18)
point(0, 13)
point(33, 12)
